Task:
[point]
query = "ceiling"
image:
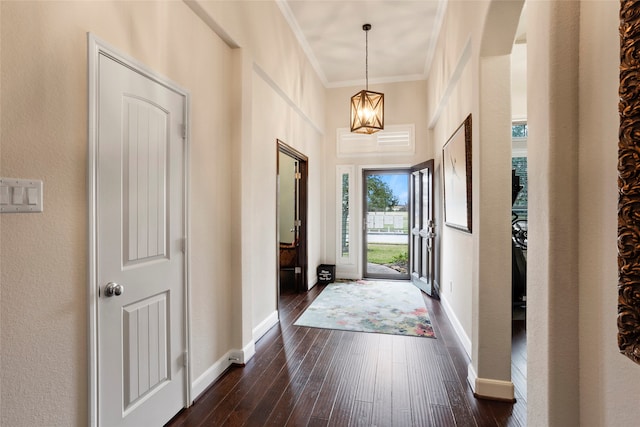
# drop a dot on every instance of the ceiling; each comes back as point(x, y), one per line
point(402, 39)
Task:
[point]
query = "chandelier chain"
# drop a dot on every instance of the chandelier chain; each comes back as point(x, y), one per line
point(366, 58)
point(367, 108)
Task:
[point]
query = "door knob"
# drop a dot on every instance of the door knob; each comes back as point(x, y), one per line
point(113, 289)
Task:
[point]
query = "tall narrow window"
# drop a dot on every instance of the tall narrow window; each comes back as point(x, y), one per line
point(344, 239)
point(344, 196)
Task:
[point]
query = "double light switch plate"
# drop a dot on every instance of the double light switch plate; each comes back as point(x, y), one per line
point(20, 195)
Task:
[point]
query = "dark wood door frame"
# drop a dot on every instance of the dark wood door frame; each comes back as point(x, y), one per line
point(302, 261)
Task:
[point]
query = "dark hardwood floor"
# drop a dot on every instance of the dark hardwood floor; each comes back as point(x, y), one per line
point(315, 377)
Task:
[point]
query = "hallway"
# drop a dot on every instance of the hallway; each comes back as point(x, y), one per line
point(315, 377)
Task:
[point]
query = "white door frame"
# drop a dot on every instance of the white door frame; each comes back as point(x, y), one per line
point(96, 47)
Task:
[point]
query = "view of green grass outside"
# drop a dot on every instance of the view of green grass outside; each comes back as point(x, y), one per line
point(384, 253)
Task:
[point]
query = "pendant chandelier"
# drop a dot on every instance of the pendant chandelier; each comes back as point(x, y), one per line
point(367, 107)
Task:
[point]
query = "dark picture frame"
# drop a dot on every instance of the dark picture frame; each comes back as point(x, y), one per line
point(629, 184)
point(456, 182)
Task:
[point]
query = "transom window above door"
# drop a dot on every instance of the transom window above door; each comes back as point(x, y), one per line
point(394, 139)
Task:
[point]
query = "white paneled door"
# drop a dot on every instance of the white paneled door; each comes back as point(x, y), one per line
point(140, 260)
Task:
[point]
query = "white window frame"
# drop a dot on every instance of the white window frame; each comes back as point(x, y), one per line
point(348, 170)
point(393, 140)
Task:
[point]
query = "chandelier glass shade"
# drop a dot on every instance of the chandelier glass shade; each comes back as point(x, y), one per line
point(367, 107)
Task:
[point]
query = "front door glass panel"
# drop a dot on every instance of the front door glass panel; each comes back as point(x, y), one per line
point(386, 224)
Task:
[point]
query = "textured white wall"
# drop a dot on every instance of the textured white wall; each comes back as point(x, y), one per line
point(285, 100)
point(609, 381)
point(492, 304)
point(260, 28)
point(552, 269)
point(44, 135)
point(519, 82)
point(471, 75)
point(273, 119)
point(453, 95)
point(456, 277)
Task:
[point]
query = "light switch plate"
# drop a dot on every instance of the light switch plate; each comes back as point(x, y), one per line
point(20, 195)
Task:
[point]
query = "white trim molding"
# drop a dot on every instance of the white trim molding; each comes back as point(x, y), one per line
point(237, 357)
point(286, 98)
point(297, 31)
point(265, 325)
point(243, 356)
point(490, 389)
point(519, 147)
point(342, 170)
point(464, 58)
point(457, 326)
point(202, 383)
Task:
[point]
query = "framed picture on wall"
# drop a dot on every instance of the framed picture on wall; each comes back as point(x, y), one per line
point(456, 170)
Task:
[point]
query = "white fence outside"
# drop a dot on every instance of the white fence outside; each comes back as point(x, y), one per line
point(387, 222)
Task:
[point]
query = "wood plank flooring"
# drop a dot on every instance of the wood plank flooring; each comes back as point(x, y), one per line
point(315, 377)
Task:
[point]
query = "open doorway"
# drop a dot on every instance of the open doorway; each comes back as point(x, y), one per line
point(292, 219)
point(519, 207)
point(386, 224)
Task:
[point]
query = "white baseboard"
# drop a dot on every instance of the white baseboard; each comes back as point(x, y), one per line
point(241, 357)
point(232, 356)
point(490, 389)
point(348, 271)
point(457, 326)
point(265, 325)
point(204, 381)
point(210, 375)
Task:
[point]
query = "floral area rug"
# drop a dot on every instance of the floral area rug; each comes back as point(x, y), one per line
point(370, 306)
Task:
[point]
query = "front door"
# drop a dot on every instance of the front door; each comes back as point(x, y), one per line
point(422, 228)
point(386, 224)
point(140, 263)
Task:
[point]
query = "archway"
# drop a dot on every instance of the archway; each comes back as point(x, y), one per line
point(490, 369)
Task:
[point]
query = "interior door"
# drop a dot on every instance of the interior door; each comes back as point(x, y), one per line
point(292, 218)
point(289, 222)
point(140, 248)
point(423, 234)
